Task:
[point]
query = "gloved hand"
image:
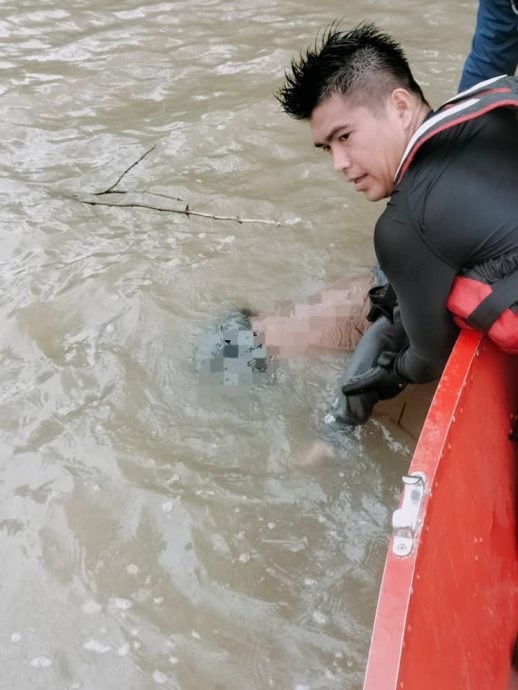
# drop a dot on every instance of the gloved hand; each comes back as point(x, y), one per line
point(382, 379)
point(383, 302)
point(356, 407)
point(351, 410)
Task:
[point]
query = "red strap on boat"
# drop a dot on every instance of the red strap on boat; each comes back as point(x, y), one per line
point(468, 294)
point(504, 293)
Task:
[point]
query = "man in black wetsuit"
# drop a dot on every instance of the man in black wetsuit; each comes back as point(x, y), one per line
point(452, 179)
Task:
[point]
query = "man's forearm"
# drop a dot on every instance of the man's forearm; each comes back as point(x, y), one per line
point(334, 318)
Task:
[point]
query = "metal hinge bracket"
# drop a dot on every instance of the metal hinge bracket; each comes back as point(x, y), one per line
point(405, 518)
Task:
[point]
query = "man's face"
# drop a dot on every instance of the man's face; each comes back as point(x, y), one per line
point(366, 145)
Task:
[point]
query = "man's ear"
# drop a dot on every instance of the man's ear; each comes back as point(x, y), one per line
point(403, 104)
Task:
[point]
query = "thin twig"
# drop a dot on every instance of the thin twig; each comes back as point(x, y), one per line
point(401, 414)
point(110, 189)
point(135, 204)
point(163, 196)
point(187, 211)
point(139, 191)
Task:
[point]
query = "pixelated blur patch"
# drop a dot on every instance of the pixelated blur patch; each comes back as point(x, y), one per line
point(230, 351)
point(232, 354)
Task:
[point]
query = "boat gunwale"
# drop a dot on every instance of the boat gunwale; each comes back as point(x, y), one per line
point(383, 664)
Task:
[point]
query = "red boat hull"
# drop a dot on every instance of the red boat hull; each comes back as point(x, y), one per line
point(447, 614)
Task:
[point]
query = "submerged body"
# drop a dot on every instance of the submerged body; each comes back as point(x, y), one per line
point(335, 318)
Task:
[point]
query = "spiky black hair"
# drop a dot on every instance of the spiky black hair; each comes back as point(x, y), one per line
point(363, 61)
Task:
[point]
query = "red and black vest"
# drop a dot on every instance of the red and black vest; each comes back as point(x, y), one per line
point(473, 302)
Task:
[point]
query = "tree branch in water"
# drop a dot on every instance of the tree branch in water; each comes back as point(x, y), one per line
point(186, 211)
point(120, 178)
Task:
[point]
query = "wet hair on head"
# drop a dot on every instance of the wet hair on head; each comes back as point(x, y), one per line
point(363, 62)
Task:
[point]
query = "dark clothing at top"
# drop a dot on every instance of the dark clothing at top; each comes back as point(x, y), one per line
point(456, 207)
point(494, 48)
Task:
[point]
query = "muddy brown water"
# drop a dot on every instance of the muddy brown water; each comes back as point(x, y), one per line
point(153, 534)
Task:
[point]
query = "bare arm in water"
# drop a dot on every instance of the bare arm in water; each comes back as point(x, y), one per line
point(334, 318)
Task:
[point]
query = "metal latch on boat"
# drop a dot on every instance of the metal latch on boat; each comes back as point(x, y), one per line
point(405, 518)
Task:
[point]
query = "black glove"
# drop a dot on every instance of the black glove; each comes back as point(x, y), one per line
point(383, 302)
point(352, 409)
point(382, 379)
point(356, 408)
